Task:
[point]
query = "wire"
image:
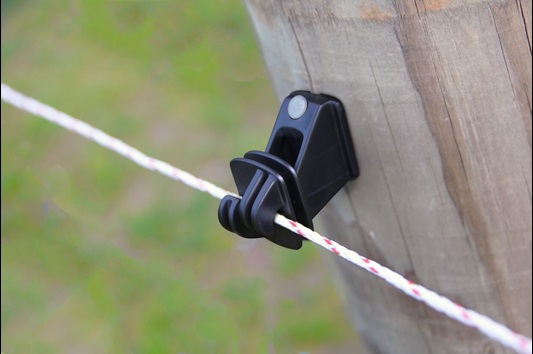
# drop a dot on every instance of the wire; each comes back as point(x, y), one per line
point(470, 318)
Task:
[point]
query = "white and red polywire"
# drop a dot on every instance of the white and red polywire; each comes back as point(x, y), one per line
point(470, 318)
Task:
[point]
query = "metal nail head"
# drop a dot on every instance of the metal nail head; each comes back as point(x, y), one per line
point(297, 107)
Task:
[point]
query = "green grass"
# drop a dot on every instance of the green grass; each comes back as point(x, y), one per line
point(99, 255)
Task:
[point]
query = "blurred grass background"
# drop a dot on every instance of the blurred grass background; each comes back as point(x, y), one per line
point(101, 256)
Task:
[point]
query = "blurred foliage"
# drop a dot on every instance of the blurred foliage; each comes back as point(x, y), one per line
point(99, 255)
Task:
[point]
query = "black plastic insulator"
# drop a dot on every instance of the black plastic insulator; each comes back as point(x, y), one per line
point(308, 159)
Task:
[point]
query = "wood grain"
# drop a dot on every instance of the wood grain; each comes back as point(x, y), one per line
point(438, 95)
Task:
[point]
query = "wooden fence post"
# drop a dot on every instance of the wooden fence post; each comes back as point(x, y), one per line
point(438, 96)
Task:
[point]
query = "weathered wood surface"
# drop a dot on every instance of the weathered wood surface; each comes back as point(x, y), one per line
point(438, 95)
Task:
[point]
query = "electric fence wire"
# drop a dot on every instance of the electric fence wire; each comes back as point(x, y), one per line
point(470, 318)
